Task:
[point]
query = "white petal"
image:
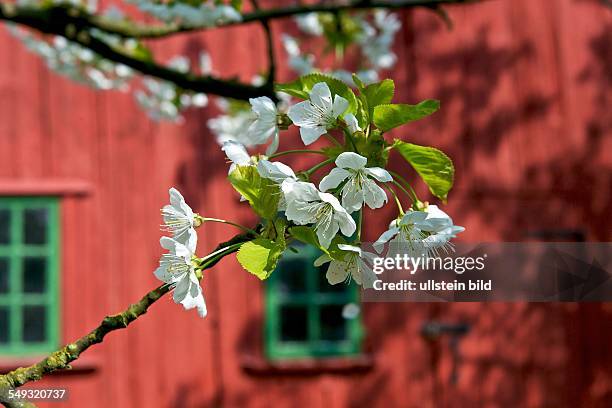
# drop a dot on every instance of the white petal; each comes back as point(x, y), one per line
point(384, 238)
point(351, 160)
point(337, 272)
point(413, 216)
point(175, 247)
point(274, 145)
point(352, 198)
point(311, 134)
point(190, 302)
point(340, 106)
point(299, 190)
point(326, 231)
point(352, 123)
point(379, 174)
point(301, 114)
point(347, 223)
point(351, 248)
point(176, 198)
point(302, 213)
point(320, 95)
point(236, 152)
point(163, 275)
point(373, 195)
point(333, 179)
point(182, 289)
point(275, 171)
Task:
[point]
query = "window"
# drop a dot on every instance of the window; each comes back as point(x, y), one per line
point(304, 312)
point(29, 237)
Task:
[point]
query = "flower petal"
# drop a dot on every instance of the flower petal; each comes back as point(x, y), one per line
point(351, 160)
point(340, 106)
point(333, 179)
point(352, 123)
point(320, 95)
point(190, 302)
point(275, 171)
point(379, 174)
point(311, 134)
point(373, 195)
point(337, 272)
point(236, 152)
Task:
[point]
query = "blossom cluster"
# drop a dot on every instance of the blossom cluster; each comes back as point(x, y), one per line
point(162, 100)
point(189, 14)
point(329, 209)
point(326, 212)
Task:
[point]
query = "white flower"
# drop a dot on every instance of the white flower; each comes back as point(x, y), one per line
point(360, 187)
point(237, 154)
point(317, 115)
point(265, 125)
point(179, 219)
point(356, 264)
point(176, 268)
point(406, 236)
point(307, 205)
point(301, 63)
point(232, 127)
point(309, 23)
point(442, 229)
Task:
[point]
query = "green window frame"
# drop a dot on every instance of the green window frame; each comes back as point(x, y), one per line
point(304, 312)
point(29, 281)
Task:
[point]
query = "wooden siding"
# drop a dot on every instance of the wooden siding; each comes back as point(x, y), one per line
point(526, 90)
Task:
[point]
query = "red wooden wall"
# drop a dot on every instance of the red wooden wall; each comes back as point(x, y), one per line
point(526, 89)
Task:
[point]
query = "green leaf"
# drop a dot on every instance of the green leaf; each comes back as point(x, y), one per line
point(305, 234)
point(380, 93)
point(434, 167)
point(301, 87)
point(389, 116)
point(358, 82)
point(262, 194)
point(260, 256)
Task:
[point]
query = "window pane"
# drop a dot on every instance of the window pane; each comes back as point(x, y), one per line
point(34, 324)
point(34, 276)
point(35, 226)
point(333, 325)
point(294, 323)
point(4, 275)
point(324, 285)
point(5, 226)
point(292, 276)
point(4, 325)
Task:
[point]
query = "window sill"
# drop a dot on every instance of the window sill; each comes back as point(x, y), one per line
point(52, 187)
point(256, 365)
point(83, 365)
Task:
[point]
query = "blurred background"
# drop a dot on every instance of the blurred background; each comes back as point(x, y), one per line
point(525, 88)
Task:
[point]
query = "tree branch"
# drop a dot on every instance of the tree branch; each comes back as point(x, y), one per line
point(76, 24)
point(61, 359)
point(270, 45)
point(129, 29)
point(65, 21)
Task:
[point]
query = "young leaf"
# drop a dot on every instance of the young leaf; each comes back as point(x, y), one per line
point(387, 117)
point(380, 93)
point(262, 194)
point(434, 167)
point(301, 87)
point(260, 256)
